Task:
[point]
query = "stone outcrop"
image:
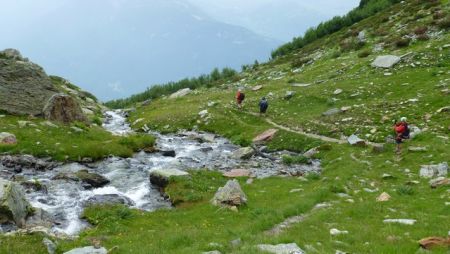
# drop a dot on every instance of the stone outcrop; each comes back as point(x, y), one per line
point(19, 162)
point(109, 199)
point(91, 180)
point(180, 93)
point(231, 195)
point(387, 61)
point(13, 205)
point(63, 108)
point(24, 86)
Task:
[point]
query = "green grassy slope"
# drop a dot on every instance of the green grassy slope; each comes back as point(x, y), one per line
point(352, 176)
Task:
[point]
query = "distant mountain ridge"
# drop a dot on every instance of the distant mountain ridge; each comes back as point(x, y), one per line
point(118, 48)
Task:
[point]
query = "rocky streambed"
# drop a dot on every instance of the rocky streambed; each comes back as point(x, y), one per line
point(61, 192)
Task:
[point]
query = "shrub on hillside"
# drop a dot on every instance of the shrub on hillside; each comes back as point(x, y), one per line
point(401, 42)
point(438, 15)
point(364, 53)
point(381, 32)
point(444, 23)
point(299, 62)
point(350, 44)
point(420, 30)
point(423, 37)
point(335, 54)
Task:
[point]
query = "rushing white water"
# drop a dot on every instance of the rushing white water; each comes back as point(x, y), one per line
point(116, 123)
point(129, 178)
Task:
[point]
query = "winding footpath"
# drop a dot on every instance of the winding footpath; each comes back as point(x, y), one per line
point(310, 135)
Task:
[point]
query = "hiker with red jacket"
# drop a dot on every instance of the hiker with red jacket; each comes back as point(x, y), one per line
point(402, 132)
point(240, 96)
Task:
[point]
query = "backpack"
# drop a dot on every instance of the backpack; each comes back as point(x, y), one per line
point(264, 105)
point(406, 132)
point(241, 96)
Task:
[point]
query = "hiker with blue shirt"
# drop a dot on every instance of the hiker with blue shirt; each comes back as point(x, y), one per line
point(263, 105)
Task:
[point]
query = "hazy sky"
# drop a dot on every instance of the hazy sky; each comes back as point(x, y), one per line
point(280, 19)
point(115, 48)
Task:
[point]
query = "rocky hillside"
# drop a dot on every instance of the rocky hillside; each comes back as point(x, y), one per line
point(27, 90)
point(47, 116)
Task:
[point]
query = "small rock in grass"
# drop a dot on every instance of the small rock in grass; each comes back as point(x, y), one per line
point(387, 176)
point(76, 129)
point(203, 113)
point(417, 149)
point(430, 171)
point(331, 112)
point(7, 138)
point(236, 242)
point(289, 95)
point(290, 248)
point(356, 141)
point(311, 152)
point(378, 148)
point(440, 181)
point(88, 250)
point(383, 197)
point(256, 88)
point(444, 109)
point(230, 195)
point(338, 91)
point(430, 243)
point(212, 252)
point(345, 109)
point(386, 61)
point(51, 247)
point(401, 221)
point(265, 136)
point(335, 232)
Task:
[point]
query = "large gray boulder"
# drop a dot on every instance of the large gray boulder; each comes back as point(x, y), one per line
point(91, 180)
point(160, 177)
point(63, 108)
point(13, 205)
point(7, 138)
point(230, 195)
point(24, 86)
point(430, 171)
point(331, 112)
point(88, 250)
point(180, 93)
point(27, 161)
point(356, 141)
point(387, 61)
point(243, 153)
point(109, 199)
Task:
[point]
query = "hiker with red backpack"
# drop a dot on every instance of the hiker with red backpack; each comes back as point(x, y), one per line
point(402, 132)
point(240, 96)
